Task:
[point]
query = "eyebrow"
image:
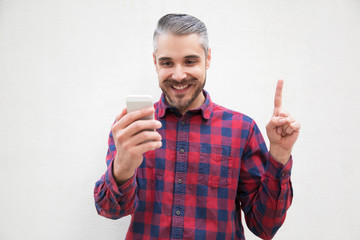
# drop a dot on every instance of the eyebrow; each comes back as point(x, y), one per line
point(186, 57)
point(164, 58)
point(192, 56)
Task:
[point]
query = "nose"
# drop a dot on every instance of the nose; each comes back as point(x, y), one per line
point(179, 73)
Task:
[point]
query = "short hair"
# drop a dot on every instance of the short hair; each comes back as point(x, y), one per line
point(181, 24)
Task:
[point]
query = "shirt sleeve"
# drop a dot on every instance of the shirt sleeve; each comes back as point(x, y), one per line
point(113, 201)
point(265, 189)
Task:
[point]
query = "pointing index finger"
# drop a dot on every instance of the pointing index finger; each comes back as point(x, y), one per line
point(278, 98)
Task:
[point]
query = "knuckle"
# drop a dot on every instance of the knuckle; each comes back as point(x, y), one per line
point(145, 135)
point(143, 111)
point(114, 127)
point(119, 136)
point(137, 126)
point(131, 151)
point(113, 131)
point(118, 117)
point(126, 147)
point(272, 122)
point(275, 120)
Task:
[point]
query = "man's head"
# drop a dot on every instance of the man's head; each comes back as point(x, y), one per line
point(180, 25)
point(181, 57)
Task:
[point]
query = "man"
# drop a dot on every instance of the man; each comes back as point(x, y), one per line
point(190, 178)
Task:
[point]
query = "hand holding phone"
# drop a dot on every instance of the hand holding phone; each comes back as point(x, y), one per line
point(132, 137)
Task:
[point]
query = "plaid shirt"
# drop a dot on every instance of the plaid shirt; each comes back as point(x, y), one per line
point(212, 163)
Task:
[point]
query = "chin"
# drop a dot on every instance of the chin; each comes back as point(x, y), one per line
point(183, 102)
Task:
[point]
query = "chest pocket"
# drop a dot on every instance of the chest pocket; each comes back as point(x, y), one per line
point(215, 166)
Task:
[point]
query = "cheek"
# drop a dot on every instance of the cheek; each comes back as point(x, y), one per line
point(163, 74)
point(199, 73)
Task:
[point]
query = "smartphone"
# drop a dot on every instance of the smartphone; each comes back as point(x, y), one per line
point(137, 102)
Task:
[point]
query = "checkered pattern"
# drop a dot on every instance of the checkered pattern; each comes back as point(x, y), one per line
point(212, 163)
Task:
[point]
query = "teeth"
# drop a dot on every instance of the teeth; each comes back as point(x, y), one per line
point(180, 87)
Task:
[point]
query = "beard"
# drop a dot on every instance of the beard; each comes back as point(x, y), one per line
point(181, 101)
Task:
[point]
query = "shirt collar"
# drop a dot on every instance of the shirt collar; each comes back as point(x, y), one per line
point(206, 109)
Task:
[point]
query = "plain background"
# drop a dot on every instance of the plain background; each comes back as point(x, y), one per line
point(67, 66)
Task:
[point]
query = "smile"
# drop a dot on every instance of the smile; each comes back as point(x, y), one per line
point(180, 87)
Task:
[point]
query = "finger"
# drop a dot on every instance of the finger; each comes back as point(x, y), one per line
point(145, 136)
point(128, 133)
point(147, 146)
point(288, 120)
point(281, 129)
point(293, 127)
point(115, 126)
point(123, 113)
point(278, 98)
point(284, 114)
point(136, 134)
point(142, 125)
point(136, 115)
point(279, 122)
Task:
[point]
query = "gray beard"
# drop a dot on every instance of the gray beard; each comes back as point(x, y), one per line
point(177, 104)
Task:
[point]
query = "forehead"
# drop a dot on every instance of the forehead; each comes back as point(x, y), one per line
point(174, 46)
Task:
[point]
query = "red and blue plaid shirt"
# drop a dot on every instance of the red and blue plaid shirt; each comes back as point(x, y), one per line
point(213, 162)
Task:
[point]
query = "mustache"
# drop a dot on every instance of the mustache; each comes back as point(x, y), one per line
point(185, 81)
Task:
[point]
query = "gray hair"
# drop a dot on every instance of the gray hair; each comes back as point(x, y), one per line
point(181, 24)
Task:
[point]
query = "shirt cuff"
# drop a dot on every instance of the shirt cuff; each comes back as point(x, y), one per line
point(118, 191)
point(278, 170)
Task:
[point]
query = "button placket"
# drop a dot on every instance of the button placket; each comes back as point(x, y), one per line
point(181, 160)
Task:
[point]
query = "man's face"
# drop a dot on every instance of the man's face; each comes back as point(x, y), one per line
point(181, 65)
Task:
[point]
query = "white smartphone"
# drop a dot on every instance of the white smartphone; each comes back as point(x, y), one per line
point(137, 102)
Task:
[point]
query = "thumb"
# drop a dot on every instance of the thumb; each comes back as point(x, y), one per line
point(277, 121)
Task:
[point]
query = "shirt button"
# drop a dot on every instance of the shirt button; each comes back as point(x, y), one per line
point(180, 181)
point(177, 212)
point(182, 151)
point(183, 123)
point(283, 174)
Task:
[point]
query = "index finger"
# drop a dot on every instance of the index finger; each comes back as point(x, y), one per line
point(123, 113)
point(131, 117)
point(278, 97)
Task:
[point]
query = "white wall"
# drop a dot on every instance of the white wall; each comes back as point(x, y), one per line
point(66, 67)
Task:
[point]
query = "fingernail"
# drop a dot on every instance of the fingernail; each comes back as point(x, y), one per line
point(282, 120)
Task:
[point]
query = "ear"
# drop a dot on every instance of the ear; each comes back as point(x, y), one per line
point(155, 63)
point(208, 59)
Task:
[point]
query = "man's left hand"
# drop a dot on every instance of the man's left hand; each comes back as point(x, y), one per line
point(282, 129)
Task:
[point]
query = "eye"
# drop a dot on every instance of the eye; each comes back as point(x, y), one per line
point(190, 62)
point(166, 63)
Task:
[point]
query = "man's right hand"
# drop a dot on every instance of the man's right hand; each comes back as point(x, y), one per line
point(132, 138)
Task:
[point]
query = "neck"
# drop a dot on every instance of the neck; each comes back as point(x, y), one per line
point(196, 103)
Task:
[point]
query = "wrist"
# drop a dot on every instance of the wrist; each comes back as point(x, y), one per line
point(280, 155)
point(121, 174)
